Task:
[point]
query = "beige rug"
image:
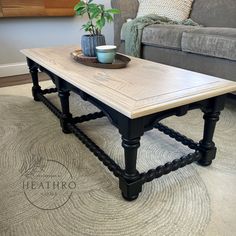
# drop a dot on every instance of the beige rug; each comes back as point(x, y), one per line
point(191, 201)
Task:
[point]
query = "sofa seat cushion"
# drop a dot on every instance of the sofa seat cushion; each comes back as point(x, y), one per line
point(211, 41)
point(166, 36)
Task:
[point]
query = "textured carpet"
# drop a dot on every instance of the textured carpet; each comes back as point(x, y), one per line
point(191, 201)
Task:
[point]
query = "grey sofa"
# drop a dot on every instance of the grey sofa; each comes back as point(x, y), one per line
point(210, 49)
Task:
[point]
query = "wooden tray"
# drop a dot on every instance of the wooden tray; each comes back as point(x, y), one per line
point(120, 61)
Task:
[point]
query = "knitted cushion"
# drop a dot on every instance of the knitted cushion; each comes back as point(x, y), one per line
point(177, 10)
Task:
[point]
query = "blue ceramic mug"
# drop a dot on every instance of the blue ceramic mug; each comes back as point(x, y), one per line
point(106, 53)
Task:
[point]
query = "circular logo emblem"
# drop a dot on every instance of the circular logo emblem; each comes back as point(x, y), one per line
point(47, 184)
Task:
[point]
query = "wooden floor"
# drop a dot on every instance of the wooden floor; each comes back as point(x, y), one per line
point(19, 79)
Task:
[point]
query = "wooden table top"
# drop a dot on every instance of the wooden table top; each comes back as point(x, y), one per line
point(142, 88)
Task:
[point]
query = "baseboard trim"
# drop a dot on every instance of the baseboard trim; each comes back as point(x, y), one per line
point(12, 69)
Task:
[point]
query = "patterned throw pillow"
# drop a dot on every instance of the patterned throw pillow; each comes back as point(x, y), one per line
point(177, 10)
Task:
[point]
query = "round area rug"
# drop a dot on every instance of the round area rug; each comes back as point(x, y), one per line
point(176, 204)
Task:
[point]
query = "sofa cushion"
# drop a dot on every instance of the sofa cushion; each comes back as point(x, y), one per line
point(216, 42)
point(214, 13)
point(177, 10)
point(167, 36)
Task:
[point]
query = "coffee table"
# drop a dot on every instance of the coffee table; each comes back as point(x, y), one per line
point(134, 99)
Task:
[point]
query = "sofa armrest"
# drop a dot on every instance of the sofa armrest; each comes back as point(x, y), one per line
point(128, 9)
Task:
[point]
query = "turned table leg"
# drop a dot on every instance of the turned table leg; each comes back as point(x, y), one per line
point(33, 68)
point(130, 183)
point(211, 116)
point(66, 115)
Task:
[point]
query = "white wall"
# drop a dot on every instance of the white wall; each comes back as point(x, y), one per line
point(19, 33)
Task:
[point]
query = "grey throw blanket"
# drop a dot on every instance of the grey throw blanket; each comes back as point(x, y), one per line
point(133, 30)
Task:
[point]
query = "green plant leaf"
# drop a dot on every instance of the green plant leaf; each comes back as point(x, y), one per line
point(81, 12)
point(102, 7)
point(113, 11)
point(95, 13)
point(100, 23)
point(108, 17)
point(79, 5)
point(91, 6)
point(88, 27)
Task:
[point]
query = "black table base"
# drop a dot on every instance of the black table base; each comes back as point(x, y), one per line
point(131, 130)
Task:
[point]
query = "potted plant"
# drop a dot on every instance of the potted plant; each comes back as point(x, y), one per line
point(97, 18)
